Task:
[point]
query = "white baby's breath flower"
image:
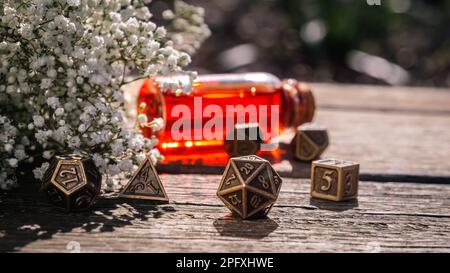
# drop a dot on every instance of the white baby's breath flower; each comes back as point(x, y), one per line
point(136, 142)
point(47, 154)
point(13, 162)
point(20, 154)
point(143, 105)
point(97, 41)
point(142, 119)
point(63, 64)
point(168, 14)
point(74, 142)
point(38, 121)
point(117, 147)
point(40, 171)
point(52, 73)
point(81, 128)
point(133, 39)
point(73, 3)
point(99, 161)
point(160, 32)
point(46, 83)
point(8, 148)
point(153, 141)
point(59, 111)
point(113, 169)
point(157, 124)
point(140, 157)
point(154, 155)
point(53, 102)
point(126, 165)
point(69, 106)
point(172, 60)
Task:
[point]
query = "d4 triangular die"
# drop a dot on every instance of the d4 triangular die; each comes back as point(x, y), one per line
point(145, 184)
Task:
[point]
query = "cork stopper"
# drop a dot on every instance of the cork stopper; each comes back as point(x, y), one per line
point(300, 103)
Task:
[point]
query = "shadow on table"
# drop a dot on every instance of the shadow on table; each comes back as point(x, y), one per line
point(37, 220)
point(251, 229)
point(285, 165)
point(332, 205)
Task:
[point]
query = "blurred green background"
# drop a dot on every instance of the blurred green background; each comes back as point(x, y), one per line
point(400, 42)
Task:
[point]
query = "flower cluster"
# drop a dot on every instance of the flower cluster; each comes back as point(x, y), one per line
point(187, 29)
point(63, 63)
point(10, 152)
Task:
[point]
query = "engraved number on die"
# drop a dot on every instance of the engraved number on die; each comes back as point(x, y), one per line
point(348, 183)
point(328, 178)
point(63, 174)
point(276, 180)
point(231, 178)
point(234, 199)
point(263, 181)
point(247, 168)
point(255, 201)
point(150, 184)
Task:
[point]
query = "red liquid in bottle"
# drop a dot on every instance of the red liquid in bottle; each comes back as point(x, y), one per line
point(254, 97)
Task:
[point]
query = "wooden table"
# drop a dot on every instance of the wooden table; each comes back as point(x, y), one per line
point(401, 137)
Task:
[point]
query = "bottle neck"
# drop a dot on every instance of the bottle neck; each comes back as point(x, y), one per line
point(299, 104)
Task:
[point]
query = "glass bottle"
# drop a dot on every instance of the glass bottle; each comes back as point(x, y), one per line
point(282, 104)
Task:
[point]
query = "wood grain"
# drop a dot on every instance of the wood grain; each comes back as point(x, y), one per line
point(419, 100)
point(386, 217)
point(400, 145)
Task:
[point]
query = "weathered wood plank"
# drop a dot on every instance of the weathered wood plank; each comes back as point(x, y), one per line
point(390, 143)
point(381, 98)
point(397, 144)
point(387, 217)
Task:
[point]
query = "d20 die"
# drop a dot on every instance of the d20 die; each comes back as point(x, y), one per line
point(145, 184)
point(335, 180)
point(249, 186)
point(244, 139)
point(72, 182)
point(309, 142)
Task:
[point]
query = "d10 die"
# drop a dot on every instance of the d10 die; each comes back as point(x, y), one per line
point(249, 186)
point(244, 139)
point(309, 142)
point(334, 180)
point(72, 182)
